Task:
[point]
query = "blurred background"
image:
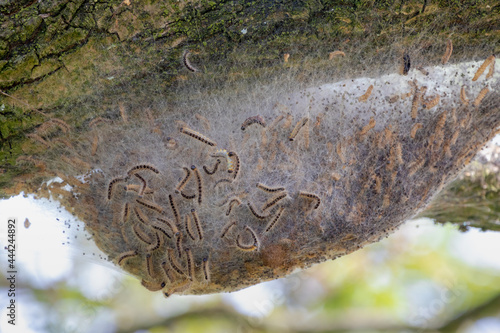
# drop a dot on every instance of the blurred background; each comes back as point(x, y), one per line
point(430, 276)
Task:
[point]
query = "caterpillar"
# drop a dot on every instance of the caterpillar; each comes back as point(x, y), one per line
point(253, 120)
point(184, 181)
point(95, 143)
point(126, 255)
point(178, 243)
point(149, 204)
point(254, 212)
point(96, 121)
point(480, 96)
point(432, 103)
point(167, 271)
point(269, 189)
point(158, 226)
point(126, 212)
point(483, 67)
point(250, 247)
point(170, 224)
point(38, 138)
point(140, 167)
point(190, 263)
point(297, 128)
point(174, 263)
point(364, 98)
point(286, 56)
point(141, 216)
point(225, 230)
point(200, 184)
point(144, 183)
point(273, 201)
point(415, 166)
point(311, 196)
point(415, 103)
point(141, 234)
point(187, 196)
point(414, 129)
point(157, 243)
point(149, 264)
point(137, 188)
point(206, 269)
point(214, 169)
point(197, 136)
point(187, 63)
point(368, 127)
point(170, 143)
point(204, 120)
point(275, 219)
point(463, 96)
point(236, 168)
point(333, 54)
point(189, 230)
point(447, 53)
point(197, 223)
point(152, 286)
point(183, 286)
point(229, 161)
point(223, 180)
point(491, 70)
point(174, 209)
point(111, 184)
point(231, 203)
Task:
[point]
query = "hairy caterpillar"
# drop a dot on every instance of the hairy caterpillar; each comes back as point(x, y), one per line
point(214, 169)
point(273, 201)
point(311, 196)
point(253, 120)
point(126, 255)
point(189, 230)
point(184, 181)
point(483, 67)
point(225, 230)
point(269, 189)
point(480, 96)
point(275, 219)
point(196, 220)
point(301, 123)
point(333, 54)
point(140, 167)
point(231, 204)
point(187, 63)
point(364, 98)
point(174, 209)
point(254, 212)
point(197, 136)
point(447, 53)
point(206, 269)
point(248, 247)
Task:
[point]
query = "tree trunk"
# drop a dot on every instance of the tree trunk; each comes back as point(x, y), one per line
point(83, 81)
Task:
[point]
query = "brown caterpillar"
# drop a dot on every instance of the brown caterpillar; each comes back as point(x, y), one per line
point(483, 67)
point(447, 53)
point(231, 203)
point(168, 272)
point(275, 219)
point(311, 196)
point(200, 185)
point(38, 138)
point(158, 242)
point(174, 209)
point(368, 127)
point(214, 169)
point(254, 212)
point(297, 128)
point(225, 230)
point(61, 124)
point(137, 188)
point(141, 234)
point(480, 96)
point(149, 264)
point(250, 247)
point(491, 70)
point(463, 96)
point(269, 189)
point(229, 161)
point(414, 129)
point(140, 167)
point(432, 103)
point(187, 196)
point(152, 286)
point(206, 269)
point(415, 103)
point(273, 201)
point(415, 166)
point(364, 97)
point(169, 224)
point(151, 205)
point(112, 184)
point(190, 263)
point(126, 212)
point(141, 216)
point(126, 255)
point(144, 183)
point(184, 181)
point(183, 286)
point(236, 168)
point(189, 230)
point(197, 223)
point(204, 120)
point(95, 143)
point(333, 54)
point(187, 63)
point(253, 120)
point(160, 227)
point(174, 263)
point(178, 243)
point(197, 136)
point(223, 180)
point(96, 121)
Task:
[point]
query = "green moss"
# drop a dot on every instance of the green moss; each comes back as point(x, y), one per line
point(19, 71)
point(63, 42)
